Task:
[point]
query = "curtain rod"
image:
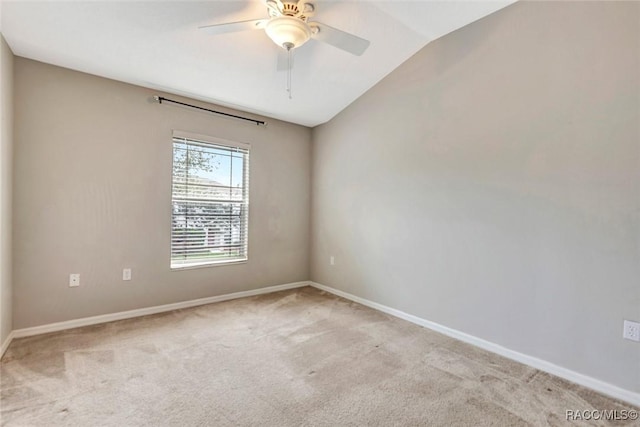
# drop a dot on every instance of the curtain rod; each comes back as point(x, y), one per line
point(257, 122)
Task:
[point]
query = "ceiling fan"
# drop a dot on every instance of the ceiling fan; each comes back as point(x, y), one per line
point(289, 27)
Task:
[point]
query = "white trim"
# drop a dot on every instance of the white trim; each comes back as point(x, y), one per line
point(5, 344)
point(94, 320)
point(205, 264)
point(210, 139)
point(543, 365)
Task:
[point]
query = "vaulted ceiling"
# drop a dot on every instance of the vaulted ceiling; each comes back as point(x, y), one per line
point(157, 44)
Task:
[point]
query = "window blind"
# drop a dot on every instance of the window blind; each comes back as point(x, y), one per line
point(210, 201)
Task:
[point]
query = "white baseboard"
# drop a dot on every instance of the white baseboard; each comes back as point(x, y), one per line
point(94, 320)
point(5, 344)
point(543, 365)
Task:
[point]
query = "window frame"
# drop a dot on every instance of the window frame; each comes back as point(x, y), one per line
point(232, 145)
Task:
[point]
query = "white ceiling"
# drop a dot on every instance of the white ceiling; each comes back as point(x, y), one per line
point(157, 44)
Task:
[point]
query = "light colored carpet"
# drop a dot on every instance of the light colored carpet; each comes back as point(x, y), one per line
point(293, 358)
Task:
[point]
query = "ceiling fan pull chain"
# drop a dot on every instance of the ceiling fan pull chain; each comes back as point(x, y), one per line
point(289, 49)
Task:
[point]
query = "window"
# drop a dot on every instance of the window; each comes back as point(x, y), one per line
point(210, 199)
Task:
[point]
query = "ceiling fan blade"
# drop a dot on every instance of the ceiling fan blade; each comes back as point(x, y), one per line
point(275, 7)
point(232, 27)
point(338, 38)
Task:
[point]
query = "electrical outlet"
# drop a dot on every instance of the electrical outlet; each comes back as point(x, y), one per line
point(631, 331)
point(332, 260)
point(74, 280)
point(126, 274)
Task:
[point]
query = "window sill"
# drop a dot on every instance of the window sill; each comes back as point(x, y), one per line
point(207, 264)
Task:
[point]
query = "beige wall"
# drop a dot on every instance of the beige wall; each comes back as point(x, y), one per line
point(492, 184)
point(6, 166)
point(93, 195)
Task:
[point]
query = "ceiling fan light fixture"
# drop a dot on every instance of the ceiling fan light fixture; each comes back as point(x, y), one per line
point(288, 32)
